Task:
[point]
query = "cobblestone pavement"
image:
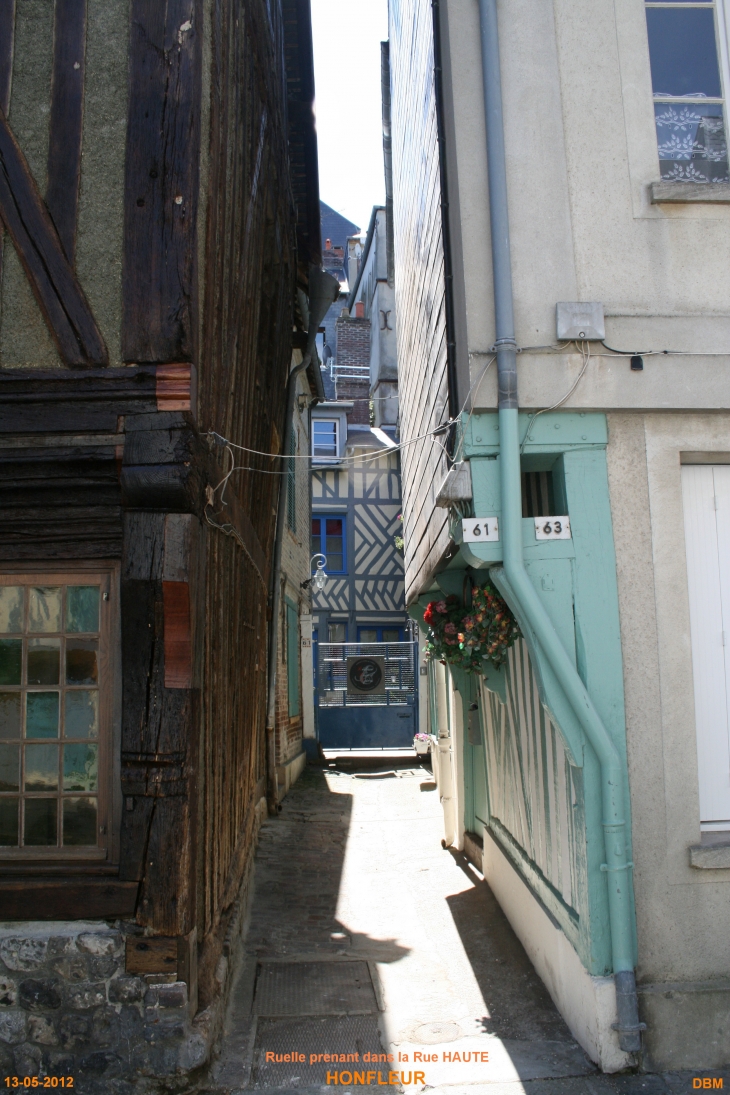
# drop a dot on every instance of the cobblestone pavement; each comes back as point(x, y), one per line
point(366, 938)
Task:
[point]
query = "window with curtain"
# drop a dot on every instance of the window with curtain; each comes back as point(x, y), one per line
point(687, 55)
point(328, 538)
point(54, 715)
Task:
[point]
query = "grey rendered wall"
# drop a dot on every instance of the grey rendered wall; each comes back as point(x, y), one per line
point(684, 947)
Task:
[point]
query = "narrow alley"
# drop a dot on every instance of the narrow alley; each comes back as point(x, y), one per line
point(367, 937)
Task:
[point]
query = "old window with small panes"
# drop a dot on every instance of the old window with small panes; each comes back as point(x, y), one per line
point(688, 56)
point(54, 715)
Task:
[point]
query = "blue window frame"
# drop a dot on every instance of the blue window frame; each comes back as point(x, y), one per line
point(329, 536)
point(388, 633)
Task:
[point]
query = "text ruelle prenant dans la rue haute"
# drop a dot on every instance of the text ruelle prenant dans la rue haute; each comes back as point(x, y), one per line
point(368, 1078)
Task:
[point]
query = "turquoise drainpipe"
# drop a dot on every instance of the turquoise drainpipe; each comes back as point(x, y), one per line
point(513, 579)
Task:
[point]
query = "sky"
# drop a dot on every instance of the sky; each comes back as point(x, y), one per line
point(347, 37)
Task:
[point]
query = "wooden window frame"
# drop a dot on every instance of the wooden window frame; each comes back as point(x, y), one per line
point(319, 458)
point(721, 12)
point(106, 852)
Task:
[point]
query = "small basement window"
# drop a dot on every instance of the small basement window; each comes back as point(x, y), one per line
point(538, 495)
point(55, 715)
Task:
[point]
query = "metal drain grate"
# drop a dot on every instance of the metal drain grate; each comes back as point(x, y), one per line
point(353, 1036)
point(314, 988)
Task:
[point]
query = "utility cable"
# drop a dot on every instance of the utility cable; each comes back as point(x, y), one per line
point(585, 348)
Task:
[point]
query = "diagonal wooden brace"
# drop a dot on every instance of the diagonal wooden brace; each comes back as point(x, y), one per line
point(53, 281)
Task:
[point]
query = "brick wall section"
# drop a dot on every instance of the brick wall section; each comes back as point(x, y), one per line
point(353, 348)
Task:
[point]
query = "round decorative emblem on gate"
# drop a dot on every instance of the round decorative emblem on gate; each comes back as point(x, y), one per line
point(365, 674)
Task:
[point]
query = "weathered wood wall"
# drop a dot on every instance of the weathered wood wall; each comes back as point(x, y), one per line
point(118, 463)
point(246, 341)
point(420, 287)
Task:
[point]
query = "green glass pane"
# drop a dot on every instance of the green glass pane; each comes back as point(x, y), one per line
point(11, 609)
point(82, 608)
point(80, 771)
point(11, 660)
point(9, 767)
point(41, 715)
point(9, 715)
point(44, 659)
point(40, 821)
point(81, 661)
point(9, 822)
point(82, 714)
point(79, 821)
point(41, 767)
point(44, 609)
point(368, 635)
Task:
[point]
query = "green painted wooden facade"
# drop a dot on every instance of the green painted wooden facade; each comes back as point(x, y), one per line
point(530, 776)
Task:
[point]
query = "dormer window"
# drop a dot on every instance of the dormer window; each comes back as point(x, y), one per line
point(325, 438)
point(687, 81)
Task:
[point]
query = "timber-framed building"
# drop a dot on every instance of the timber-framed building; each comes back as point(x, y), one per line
point(159, 196)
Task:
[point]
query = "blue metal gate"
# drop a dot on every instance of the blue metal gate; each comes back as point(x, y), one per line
point(350, 721)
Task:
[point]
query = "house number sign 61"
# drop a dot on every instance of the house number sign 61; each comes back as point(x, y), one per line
point(480, 530)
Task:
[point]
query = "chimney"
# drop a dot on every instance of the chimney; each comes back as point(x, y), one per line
point(328, 245)
point(360, 309)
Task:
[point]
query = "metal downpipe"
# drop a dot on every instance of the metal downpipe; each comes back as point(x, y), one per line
point(513, 576)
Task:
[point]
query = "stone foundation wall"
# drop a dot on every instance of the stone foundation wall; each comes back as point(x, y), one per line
point(68, 1007)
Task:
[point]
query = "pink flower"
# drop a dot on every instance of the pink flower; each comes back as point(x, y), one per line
point(440, 606)
point(450, 628)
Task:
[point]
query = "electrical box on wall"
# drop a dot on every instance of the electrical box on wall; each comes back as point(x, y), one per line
point(580, 320)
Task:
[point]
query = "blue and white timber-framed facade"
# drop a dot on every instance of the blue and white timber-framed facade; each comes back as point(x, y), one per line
point(362, 497)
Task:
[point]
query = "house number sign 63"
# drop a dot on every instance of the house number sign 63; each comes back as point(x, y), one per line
point(552, 528)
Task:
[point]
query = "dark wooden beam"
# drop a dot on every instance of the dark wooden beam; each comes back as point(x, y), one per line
point(159, 321)
point(56, 287)
point(7, 40)
point(67, 112)
point(67, 899)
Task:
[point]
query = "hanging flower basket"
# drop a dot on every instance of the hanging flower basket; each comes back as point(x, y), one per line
point(473, 639)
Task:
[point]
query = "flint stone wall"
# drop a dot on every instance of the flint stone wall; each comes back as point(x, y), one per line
point(68, 1008)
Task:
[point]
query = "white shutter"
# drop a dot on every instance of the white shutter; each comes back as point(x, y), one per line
point(706, 494)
